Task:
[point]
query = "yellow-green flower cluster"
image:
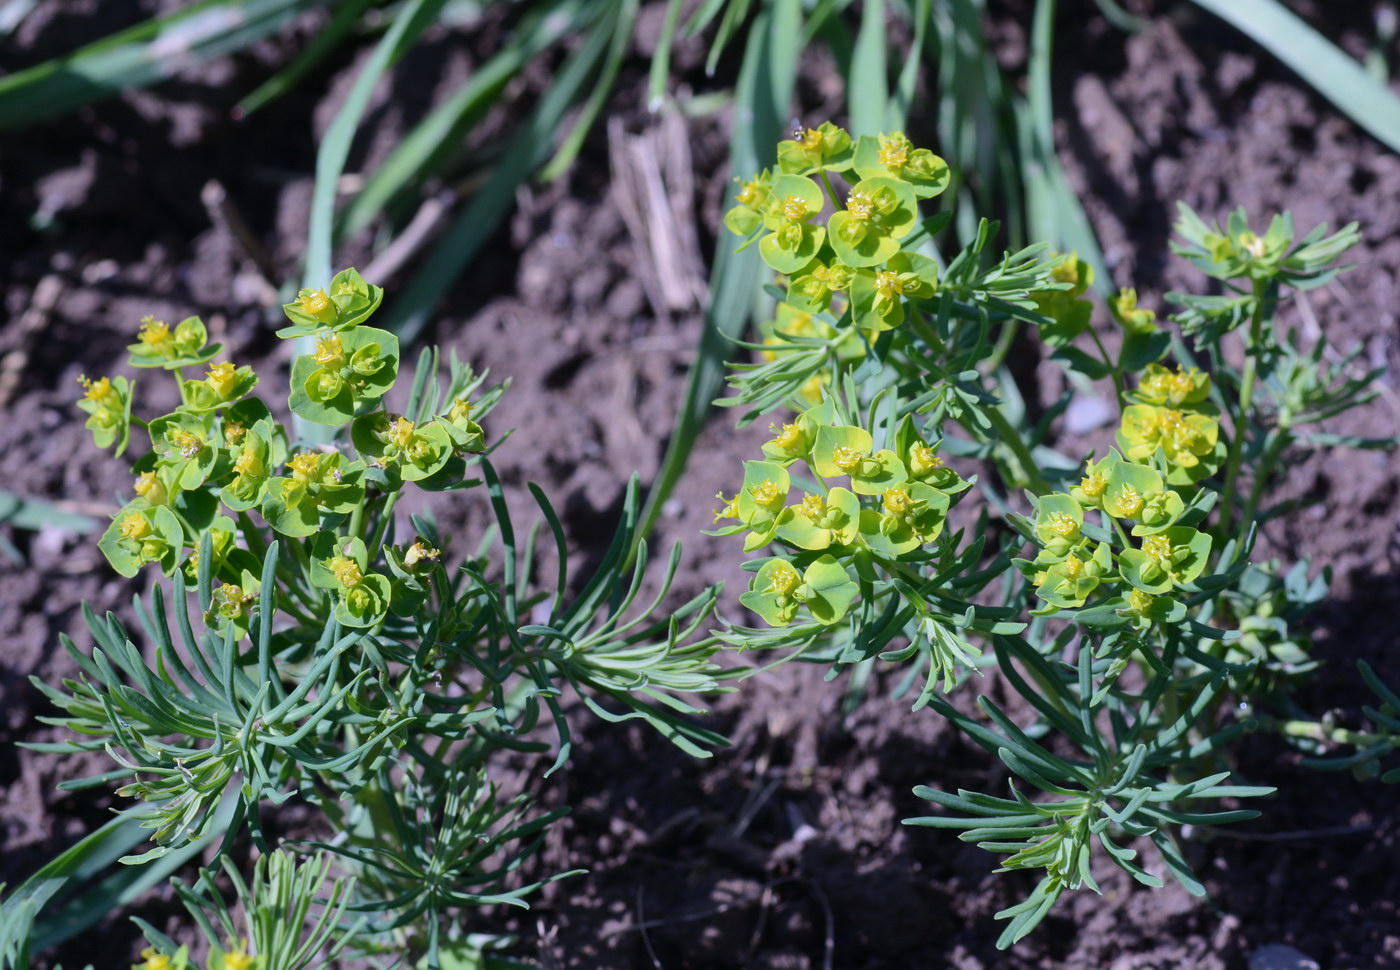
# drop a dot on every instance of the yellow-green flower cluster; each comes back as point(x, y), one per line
point(107, 401)
point(221, 455)
point(852, 258)
point(1172, 416)
point(1078, 557)
point(885, 501)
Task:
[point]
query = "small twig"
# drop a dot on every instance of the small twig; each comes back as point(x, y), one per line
point(421, 229)
point(225, 215)
point(646, 938)
point(34, 319)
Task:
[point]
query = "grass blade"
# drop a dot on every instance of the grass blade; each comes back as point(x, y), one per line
point(869, 80)
point(602, 85)
point(139, 56)
point(335, 146)
point(424, 150)
point(1316, 60)
point(343, 21)
point(1052, 209)
point(480, 220)
point(762, 97)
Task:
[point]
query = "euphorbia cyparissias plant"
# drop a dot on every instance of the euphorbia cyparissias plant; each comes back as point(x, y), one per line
point(333, 658)
point(891, 357)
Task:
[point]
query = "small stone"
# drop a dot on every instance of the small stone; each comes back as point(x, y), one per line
point(1087, 413)
point(1281, 956)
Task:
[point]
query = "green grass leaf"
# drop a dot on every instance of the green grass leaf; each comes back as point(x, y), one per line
point(1318, 61)
point(139, 56)
point(762, 98)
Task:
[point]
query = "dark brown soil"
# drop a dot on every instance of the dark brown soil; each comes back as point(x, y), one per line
point(784, 851)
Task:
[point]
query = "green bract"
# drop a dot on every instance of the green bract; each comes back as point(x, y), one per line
point(1137, 492)
point(779, 589)
point(843, 450)
point(348, 301)
point(878, 295)
point(818, 522)
point(1172, 557)
point(108, 404)
point(349, 371)
point(879, 212)
point(185, 346)
point(792, 241)
point(896, 157)
point(826, 148)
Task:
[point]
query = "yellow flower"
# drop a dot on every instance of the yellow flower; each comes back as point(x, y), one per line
point(860, 206)
point(188, 443)
point(1063, 525)
point(304, 465)
point(400, 433)
point(247, 462)
point(1158, 548)
point(923, 460)
point(847, 458)
point(100, 392)
point(233, 433)
point(767, 494)
point(156, 335)
point(1127, 503)
point(1093, 484)
point(318, 304)
point(154, 960)
point(729, 509)
point(784, 580)
point(135, 526)
point(237, 958)
point(460, 409)
point(329, 352)
point(794, 208)
point(148, 487)
point(345, 570)
point(419, 552)
point(894, 151)
point(222, 377)
point(1140, 602)
point(897, 502)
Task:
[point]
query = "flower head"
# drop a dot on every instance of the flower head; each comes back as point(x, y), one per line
point(346, 571)
point(155, 335)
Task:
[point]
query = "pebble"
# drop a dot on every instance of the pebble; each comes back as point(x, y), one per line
point(1281, 956)
point(1087, 413)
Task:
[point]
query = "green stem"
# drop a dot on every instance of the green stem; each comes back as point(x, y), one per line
point(826, 181)
point(1112, 368)
point(357, 518)
point(1278, 441)
point(382, 526)
point(1003, 345)
point(1320, 732)
point(180, 385)
point(1246, 401)
point(1009, 437)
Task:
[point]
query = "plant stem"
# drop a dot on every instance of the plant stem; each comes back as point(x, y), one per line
point(1320, 732)
point(826, 181)
point(1112, 368)
point(1008, 436)
point(1246, 401)
point(1278, 441)
point(383, 524)
point(1003, 345)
